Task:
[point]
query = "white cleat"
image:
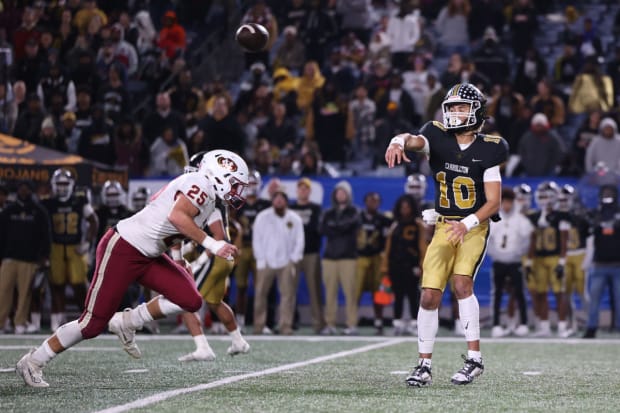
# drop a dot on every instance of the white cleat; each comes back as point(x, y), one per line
point(566, 333)
point(522, 331)
point(241, 347)
point(119, 325)
point(201, 354)
point(31, 372)
point(498, 332)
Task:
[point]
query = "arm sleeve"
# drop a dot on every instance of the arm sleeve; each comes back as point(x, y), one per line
point(492, 174)
point(88, 210)
point(298, 250)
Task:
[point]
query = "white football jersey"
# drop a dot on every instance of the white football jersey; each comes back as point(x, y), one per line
point(150, 231)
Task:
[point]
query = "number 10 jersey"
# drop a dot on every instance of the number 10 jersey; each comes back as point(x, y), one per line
point(459, 173)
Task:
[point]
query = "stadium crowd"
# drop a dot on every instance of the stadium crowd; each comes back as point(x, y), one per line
point(339, 79)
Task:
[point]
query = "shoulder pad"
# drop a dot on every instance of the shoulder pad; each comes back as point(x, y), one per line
point(438, 125)
point(492, 138)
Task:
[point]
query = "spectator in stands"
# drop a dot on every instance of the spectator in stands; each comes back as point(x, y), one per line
point(361, 124)
point(278, 247)
point(523, 26)
point(310, 163)
point(566, 68)
point(113, 95)
point(19, 94)
point(379, 48)
point(168, 155)
point(531, 69)
point(613, 70)
point(28, 31)
point(452, 73)
point(29, 122)
point(505, 106)
point(387, 127)
point(221, 129)
point(416, 84)
point(356, 17)
point(604, 148)
point(549, 103)
point(436, 95)
point(452, 27)
point(83, 17)
point(591, 90)
point(353, 51)
point(403, 32)
point(4, 194)
point(83, 114)
point(70, 133)
point(124, 52)
point(31, 67)
point(326, 123)
point(484, 14)
point(96, 141)
point(279, 130)
point(25, 241)
point(295, 13)
point(56, 82)
point(470, 74)
point(490, 59)
point(187, 100)
point(83, 68)
point(582, 140)
point(318, 29)
point(340, 224)
point(589, 43)
point(292, 52)
point(260, 13)
point(341, 72)
point(396, 93)
point(49, 137)
point(285, 90)
point(146, 34)
point(130, 148)
point(541, 149)
point(8, 108)
point(163, 116)
point(310, 81)
point(172, 37)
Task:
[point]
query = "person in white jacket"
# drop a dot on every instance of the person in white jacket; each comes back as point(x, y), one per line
point(508, 243)
point(403, 30)
point(278, 245)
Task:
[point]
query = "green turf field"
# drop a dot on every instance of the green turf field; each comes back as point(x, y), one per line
point(311, 374)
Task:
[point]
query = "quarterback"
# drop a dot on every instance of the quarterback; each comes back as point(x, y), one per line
point(134, 251)
point(466, 168)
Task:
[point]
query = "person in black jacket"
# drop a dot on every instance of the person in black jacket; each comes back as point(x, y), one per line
point(25, 241)
point(340, 225)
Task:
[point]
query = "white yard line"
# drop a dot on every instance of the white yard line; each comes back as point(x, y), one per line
point(158, 397)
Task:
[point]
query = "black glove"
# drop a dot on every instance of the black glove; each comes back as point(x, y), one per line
point(559, 271)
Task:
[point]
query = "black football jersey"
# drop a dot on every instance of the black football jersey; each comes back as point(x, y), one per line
point(108, 217)
point(246, 216)
point(66, 218)
point(459, 186)
point(548, 237)
point(578, 233)
point(372, 233)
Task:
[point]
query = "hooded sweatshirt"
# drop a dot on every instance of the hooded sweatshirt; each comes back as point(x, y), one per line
point(603, 149)
point(340, 225)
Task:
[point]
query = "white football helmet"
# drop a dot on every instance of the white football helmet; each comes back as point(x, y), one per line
point(63, 184)
point(566, 198)
point(416, 186)
point(229, 175)
point(523, 196)
point(546, 194)
point(255, 182)
point(112, 194)
point(140, 198)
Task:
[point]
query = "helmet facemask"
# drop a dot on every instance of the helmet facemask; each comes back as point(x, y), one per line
point(453, 120)
point(62, 185)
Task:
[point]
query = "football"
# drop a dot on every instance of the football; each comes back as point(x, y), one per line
point(252, 37)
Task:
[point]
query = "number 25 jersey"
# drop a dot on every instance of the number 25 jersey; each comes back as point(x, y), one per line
point(150, 231)
point(459, 185)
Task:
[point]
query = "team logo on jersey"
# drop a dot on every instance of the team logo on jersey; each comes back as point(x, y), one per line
point(227, 164)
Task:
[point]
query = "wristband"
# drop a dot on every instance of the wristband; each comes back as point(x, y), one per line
point(176, 255)
point(470, 221)
point(399, 140)
point(212, 245)
point(562, 261)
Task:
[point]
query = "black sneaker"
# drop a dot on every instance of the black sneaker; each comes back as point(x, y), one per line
point(469, 372)
point(420, 376)
point(590, 333)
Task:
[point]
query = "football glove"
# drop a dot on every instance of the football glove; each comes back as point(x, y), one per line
point(527, 270)
point(429, 216)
